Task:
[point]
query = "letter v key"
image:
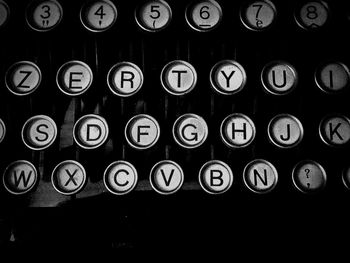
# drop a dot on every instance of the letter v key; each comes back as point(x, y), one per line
point(166, 177)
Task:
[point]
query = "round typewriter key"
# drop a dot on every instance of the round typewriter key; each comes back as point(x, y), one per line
point(190, 131)
point(166, 177)
point(260, 176)
point(74, 78)
point(142, 131)
point(335, 130)
point(237, 130)
point(309, 176)
point(98, 15)
point(125, 79)
point(258, 15)
point(312, 15)
point(44, 15)
point(332, 77)
point(23, 78)
point(20, 177)
point(68, 177)
point(204, 15)
point(39, 132)
point(279, 78)
point(90, 131)
point(120, 177)
point(178, 77)
point(215, 177)
point(285, 131)
point(2, 130)
point(4, 13)
point(346, 177)
point(227, 77)
point(154, 15)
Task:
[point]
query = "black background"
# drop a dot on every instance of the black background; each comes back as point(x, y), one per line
point(234, 221)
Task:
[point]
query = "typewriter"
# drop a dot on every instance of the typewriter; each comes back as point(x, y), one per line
point(163, 116)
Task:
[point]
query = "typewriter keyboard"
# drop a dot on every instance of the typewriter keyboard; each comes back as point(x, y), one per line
point(219, 98)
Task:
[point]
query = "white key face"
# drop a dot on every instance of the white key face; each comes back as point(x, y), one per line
point(39, 132)
point(237, 130)
point(4, 13)
point(125, 79)
point(313, 15)
point(45, 16)
point(215, 177)
point(142, 131)
point(23, 78)
point(279, 78)
point(285, 130)
point(2, 130)
point(178, 77)
point(309, 176)
point(74, 78)
point(120, 177)
point(20, 177)
point(166, 177)
point(190, 131)
point(259, 15)
point(90, 131)
point(260, 176)
point(154, 15)
point(98, 16)
point(204, 15)
point(68, 177)
point(335, 130)
point(333, 77)
point(227, 77)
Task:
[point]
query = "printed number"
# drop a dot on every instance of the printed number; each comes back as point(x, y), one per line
point(311, 12)
point(258, 11)
point(154, 9)
point(204, 14)
point(99, 12)
point(46, 10)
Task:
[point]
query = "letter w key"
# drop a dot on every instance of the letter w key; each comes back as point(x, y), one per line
point(20, 177)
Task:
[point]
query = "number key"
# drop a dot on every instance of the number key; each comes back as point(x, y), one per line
point(99, 15)
point(204, 15)
point(258, 15)
point(312, 15)
point(153, 15)
point(44, 15)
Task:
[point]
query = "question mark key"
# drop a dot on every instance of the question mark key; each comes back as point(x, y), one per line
point(309, 176)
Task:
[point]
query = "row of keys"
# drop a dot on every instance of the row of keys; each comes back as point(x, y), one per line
point(167, 177)
point(178, 77)
point(155, 15)
point(189, 131)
